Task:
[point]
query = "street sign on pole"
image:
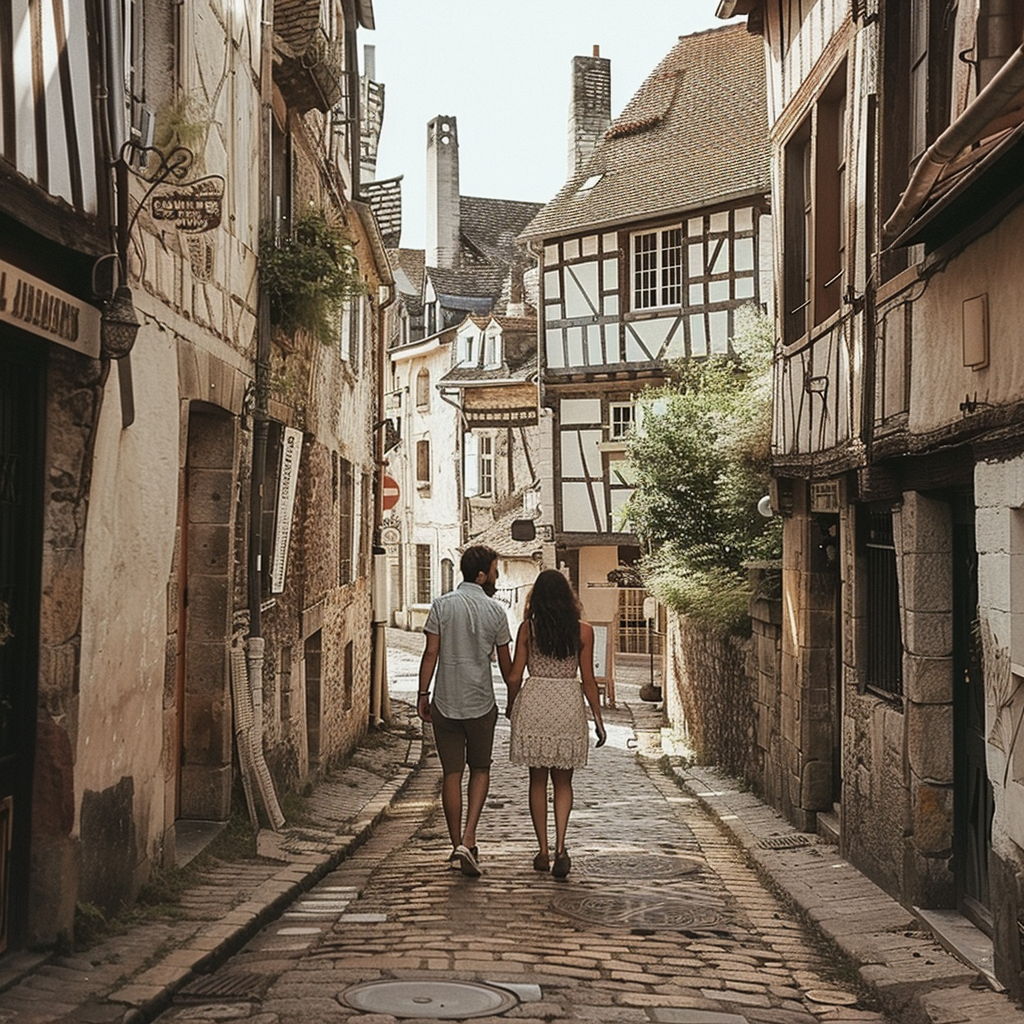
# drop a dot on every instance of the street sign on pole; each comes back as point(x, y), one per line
point(389, 493)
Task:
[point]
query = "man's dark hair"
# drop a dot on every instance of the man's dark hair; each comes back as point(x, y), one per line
point(475, 560)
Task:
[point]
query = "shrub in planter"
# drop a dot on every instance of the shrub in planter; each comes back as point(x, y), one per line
point(310, 274)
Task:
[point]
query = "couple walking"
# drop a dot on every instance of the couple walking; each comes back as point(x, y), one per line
point(549, 723)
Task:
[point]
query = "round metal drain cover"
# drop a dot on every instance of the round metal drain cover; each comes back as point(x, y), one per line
point(641, 911)
point(440, 1000)
point(638, 866)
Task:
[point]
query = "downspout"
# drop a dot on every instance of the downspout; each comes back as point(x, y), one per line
point(462, 499)
point(255, 643)
point(988, 104)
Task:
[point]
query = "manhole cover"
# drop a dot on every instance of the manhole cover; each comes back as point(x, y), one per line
point(440, 1000)
point(642, 911)
point(639, 866)
point(247, 986)
point(792, 842)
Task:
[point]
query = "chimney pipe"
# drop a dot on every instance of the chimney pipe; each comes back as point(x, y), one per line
point(590, 106)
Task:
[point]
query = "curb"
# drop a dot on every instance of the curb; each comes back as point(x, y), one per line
point(905, 968)
point(151, 993)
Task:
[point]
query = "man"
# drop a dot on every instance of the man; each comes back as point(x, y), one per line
point(462, 629)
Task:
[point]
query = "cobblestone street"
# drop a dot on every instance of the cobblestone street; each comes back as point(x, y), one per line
point(660, 919)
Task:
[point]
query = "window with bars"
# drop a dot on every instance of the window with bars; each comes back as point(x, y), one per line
point(884, 670)
point(423, 574)
point(658, 268)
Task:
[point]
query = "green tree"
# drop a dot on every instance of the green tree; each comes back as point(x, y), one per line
point(700, 459)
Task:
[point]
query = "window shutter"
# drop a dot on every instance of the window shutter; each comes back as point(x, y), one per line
point(471, 464)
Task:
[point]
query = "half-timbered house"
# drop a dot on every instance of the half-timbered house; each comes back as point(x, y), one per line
point(896, 133)
point(493, 385)
point(658, 236)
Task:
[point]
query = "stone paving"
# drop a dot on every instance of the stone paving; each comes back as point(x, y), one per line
point(682, 908)
point(660, 920)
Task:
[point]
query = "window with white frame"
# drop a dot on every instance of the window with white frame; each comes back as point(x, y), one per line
point(466, 355)
point(485, 464)
point(657, 265)
point(492, 349)
point(620, 420)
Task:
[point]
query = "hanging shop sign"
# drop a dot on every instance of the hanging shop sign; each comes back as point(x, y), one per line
point(37, 307)
point(291, 451)
point(195, 206)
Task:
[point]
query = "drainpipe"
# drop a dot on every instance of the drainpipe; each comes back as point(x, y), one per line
point(255, 643)
point(988, 104)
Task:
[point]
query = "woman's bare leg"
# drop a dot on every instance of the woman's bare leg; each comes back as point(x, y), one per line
point(561, 781)
point(539, 806)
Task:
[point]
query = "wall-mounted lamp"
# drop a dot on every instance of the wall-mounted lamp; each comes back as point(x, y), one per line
point(119, 324)
point(764, 506)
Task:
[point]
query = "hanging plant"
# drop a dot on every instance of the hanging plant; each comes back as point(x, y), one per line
point(310, 274)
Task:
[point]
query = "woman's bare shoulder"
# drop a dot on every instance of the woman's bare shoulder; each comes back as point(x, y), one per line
point(586, 631)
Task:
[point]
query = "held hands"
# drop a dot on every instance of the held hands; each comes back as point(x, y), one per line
point(601, 734)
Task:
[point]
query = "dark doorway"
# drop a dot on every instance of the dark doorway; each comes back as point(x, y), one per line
point(21, 460)
point(973, 804)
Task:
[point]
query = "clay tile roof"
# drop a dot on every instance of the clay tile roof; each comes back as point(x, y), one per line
point(492, 226)
point(467, 282)
point(385, 199)
point(411, 262)
point(695, 133)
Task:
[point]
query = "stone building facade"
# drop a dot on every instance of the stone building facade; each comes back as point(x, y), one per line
point(897, 446)
point(148, 564)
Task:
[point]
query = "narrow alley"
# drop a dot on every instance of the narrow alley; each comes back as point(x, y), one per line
point(659, 920)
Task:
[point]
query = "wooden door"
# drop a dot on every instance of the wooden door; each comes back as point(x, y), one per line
point(973, 802)
point(21, 460)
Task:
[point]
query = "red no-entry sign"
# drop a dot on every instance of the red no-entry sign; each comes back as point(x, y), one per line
point(389, 493)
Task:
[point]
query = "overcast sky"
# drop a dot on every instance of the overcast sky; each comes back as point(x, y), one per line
point(502, 69)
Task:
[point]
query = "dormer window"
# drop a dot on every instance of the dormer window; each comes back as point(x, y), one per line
point(466, 354)
point(492, 349)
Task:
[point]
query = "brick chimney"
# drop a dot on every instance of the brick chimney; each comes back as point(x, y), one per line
point(442, 244)
point(590, 106)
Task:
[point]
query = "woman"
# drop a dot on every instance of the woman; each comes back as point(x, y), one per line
point(549, 722)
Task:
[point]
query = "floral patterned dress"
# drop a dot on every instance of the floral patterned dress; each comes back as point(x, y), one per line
point(549, 719)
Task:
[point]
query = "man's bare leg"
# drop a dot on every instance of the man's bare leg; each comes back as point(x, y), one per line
point(479, 783)
point(451, 801)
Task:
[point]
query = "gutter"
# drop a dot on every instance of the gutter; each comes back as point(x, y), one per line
point(1005, 86)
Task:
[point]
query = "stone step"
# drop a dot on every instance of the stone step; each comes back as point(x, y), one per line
point(829, 826)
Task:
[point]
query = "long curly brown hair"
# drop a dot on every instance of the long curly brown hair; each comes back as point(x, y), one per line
point(553, 612)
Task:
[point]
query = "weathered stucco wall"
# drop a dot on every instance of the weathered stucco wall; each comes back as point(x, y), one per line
point(129, 549)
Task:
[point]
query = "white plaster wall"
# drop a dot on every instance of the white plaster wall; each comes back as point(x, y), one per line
point(428, 515)
point(129, 545)
point(940, 381)
point(999, 495)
